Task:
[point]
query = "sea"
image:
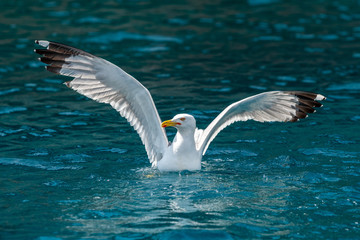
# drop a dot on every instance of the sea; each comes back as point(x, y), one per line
point(72, 168)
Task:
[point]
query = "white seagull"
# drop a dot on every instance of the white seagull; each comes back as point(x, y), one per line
point(105, 82)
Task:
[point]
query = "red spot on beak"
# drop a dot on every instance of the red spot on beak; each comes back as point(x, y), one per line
point(178, 123)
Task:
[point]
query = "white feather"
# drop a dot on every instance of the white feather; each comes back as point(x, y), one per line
point(104, 82)
point(275, 106)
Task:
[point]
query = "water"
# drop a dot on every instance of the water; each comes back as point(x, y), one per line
point(73, 169)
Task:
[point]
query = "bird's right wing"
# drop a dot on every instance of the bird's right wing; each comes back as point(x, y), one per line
point(275, 106)
point(104, 82)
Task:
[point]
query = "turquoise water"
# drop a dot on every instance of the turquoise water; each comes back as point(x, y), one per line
point(71, 168)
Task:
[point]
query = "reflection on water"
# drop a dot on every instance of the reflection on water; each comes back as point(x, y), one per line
point(72, 168)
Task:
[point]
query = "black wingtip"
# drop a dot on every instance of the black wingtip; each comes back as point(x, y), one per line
point(52, 69)
point(307, 102)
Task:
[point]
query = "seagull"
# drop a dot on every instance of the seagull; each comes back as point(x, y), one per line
point(104, 82)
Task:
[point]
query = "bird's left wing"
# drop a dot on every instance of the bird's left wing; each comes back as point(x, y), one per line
point(274, 106)
point(104, 82)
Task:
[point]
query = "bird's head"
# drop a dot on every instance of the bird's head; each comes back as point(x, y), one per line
point(181, 122)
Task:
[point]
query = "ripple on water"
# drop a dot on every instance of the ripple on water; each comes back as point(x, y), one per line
point(54, 183)
point(121, 36)
point(38, 152)
point(47, 89)
point(325, 213)
point(346, 86)
point(74, 113)
point(268, 39)
point(59, 14)
point(225, 89)
point(261, 88)
point(339, 139)
point(194, 234)
point(261, 2)
point(314, 50)
point(247, 141)
point(284, 161)
point(329, 37)
point(92, 19)
point(48, 238)
point(229, 151)
point(8, 91)
point(72, 158)
point(287, 78)
point(328, 152)
point(98, 214)
point(40, 134)
point(150, 49)
point(7, 110)
point(7, 131)
point(37, 164)
point(112, 150)
point(355, 118)
point(311, 177)
point(304, 36)
point(178, 21)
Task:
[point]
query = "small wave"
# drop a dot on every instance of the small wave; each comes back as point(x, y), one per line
point(178, 21)
point(328, 152)
point(36, 164)
point(72, 158)
point(48, 238)
point(121, 36)
point(195, 234)
point(261, 88)
point(287, 78)
point(347, 86)
point(54, 183)
point(150, 49)
point(11, 90)
point(112, 150)
point(355, 118)
point(47, 89)
point(314, 178)
point(325, 213)
point(284, 161)
point(97, 214)
point(247, 141)
point(59, 14)
point(329, 37)
point(268, 38)
point(314, 50)
point(7, 131)
point(91, 19)
point(225, 89)
point(40, 134)
point(7, 110)
point(304, 36)
point(261, 2)
point(74, 113)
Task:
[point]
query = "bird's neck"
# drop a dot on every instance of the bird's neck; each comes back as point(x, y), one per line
point(184, 139)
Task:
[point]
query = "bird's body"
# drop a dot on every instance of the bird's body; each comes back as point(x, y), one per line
point(104, 82)
point(181, 154)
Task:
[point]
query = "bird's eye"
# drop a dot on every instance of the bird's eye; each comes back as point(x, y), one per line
point(182, 119)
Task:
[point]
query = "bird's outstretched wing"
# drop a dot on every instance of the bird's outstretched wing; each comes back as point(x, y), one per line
point(275, 106)
point(104, 82)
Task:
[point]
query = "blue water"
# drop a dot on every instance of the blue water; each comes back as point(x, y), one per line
point(71, 168)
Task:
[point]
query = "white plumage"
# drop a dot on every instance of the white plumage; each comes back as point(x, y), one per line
point(105, 82)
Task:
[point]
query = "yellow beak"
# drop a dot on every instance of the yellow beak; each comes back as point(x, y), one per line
point(169, 123)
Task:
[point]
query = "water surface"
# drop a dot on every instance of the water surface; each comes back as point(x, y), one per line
point(71, 168)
